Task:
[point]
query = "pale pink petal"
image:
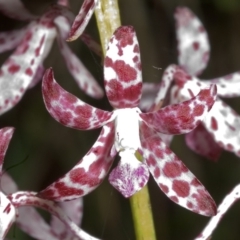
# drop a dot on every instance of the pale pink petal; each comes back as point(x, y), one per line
point(18, 71)
point(184, 117)
point(68, 109)
point(20, 199)
point(82, 76)
point(193, 43)
point(11, 39)
point(7, 184)
point(31, 222)
point(7, 215)
point(74, 210)
point(15, 9)
point(122, 69)
point(92, 44)
point(201, 142)
point(162, 91)
point(227, 202)
point(227, 86)
point(82, 19)
point(63, 2)
point(87, 173)
point(130, 175)
point(149, 93)
point(5, 137)
point(223, 124)
point(173, 177)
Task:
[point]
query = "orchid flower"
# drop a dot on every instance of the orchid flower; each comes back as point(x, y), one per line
point(28, 218)
point(24, 67)
point(219, 130)
point(227, 202)
point(127, 131)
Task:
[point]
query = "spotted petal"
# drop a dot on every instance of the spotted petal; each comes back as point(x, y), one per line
point(11, 39)
point(68, 109)
point(122, 69)
point(88, 173)
point(173, 177)
point(82, 19)
point(7, 215)
point(201, 142)
point(227, 202)
point(227, 86)
point(5, 137)
point(83, 77)
point(18, 71)
point(15, 9)
point(193, 43)
point(184, 117)
point(224, 124)
point(20, 199)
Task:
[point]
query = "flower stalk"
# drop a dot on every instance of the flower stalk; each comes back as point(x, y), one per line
point(142, 215)
point(108, 20)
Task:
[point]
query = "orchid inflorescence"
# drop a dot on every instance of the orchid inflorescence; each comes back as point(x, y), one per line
point(138, 129)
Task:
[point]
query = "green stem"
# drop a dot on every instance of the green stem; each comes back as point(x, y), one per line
point(142, 215)
point(108, 20)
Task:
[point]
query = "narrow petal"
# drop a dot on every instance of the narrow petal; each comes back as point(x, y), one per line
point(74, 210)
point(227, 202)
point(130, 175)
point(92, 44)
point(68, 109)
point(223, 124)
point(20, 199)
point(7, 184)
point(193, 43)
point(11, 39)
point(17, 72)
point(31, 222)
point(227, 86)
point(88, 173)
point(167, 79)
point(184, 117)
point(5, 137)
point(173, 177)
point(7, 215)
point(16, 10)
point(37, 77)
point(82, 19)
point(201, 142)
point(63, 2)
point(122, 69)
point(82, 76)
point(149, 93)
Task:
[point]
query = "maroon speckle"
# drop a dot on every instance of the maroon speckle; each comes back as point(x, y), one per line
point(13, 68)
point(164, 188)
point(214, 124)
point(172, 169)
point(181, 188)
point(195, 45)
point(29, 72)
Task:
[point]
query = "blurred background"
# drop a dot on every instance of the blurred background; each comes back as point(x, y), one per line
point(52, 149)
